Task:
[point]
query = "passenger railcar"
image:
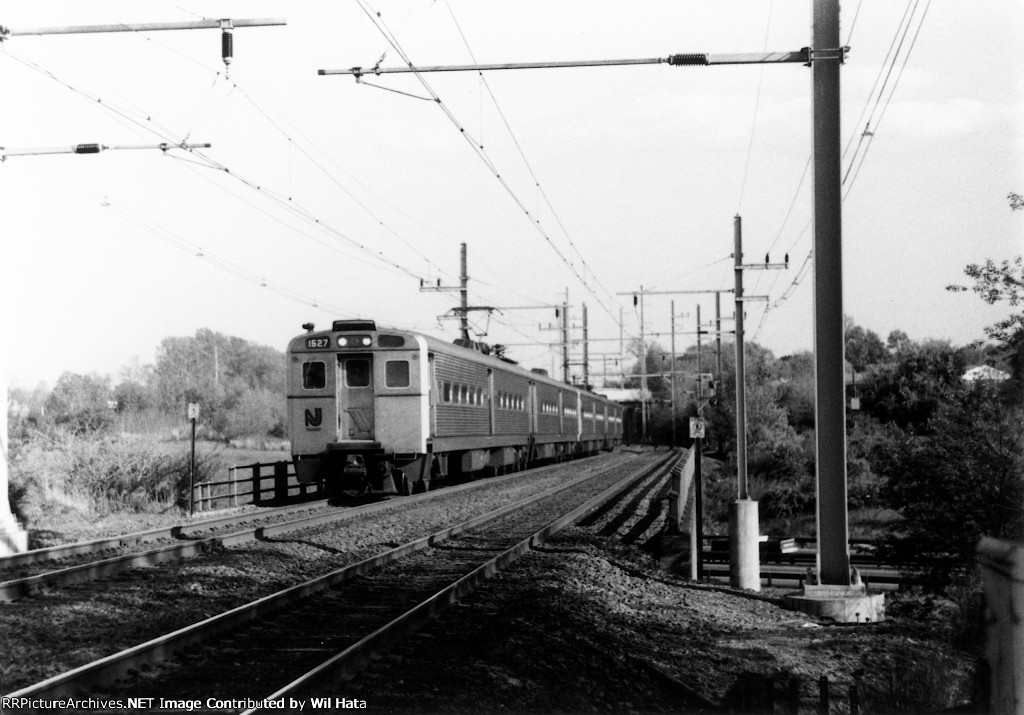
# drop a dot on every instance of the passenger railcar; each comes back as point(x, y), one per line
point(389, 411)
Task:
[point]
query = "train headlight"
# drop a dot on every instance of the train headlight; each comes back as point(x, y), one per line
point(354, 341)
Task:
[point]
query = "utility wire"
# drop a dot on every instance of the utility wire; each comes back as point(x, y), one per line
point(480, 152)
point(522, 154)
point(885, 107)
point(168, 135)
point(757, 106)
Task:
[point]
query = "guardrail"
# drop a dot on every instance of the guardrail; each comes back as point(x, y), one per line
point(247, 484)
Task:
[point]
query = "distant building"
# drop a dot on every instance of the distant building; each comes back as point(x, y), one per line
point(984, 372)
point(624, 396)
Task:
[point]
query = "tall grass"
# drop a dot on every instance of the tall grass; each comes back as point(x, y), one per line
point(100, 474)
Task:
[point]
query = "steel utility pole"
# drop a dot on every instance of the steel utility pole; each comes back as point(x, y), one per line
point(586, 351)
point(830, 407)
point(672, 312)
point(464, 308)
point(744, 559)
point(565, 338)
point(643, 371)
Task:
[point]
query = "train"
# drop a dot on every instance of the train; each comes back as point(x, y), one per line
point(391, 412)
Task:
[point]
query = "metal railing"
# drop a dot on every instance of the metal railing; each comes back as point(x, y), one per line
point(266, 483)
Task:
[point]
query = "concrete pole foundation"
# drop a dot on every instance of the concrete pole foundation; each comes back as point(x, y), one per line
point(842, 604)
point(744, 559)
point(13, 539)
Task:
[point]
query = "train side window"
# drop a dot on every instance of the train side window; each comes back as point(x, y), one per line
point(357, 373)
point(464, 394)
point(446, 390)
point(396, 373)
point(314, 375)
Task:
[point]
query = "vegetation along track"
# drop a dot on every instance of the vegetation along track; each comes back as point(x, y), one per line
point(55, 633)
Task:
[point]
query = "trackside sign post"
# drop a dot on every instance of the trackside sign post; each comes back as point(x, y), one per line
point(193, 415)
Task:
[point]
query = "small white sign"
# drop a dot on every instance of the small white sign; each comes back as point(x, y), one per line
point(193, 410)
point(696, 428)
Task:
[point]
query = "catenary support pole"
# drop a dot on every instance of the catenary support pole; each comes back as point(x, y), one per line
point(672, 373)
point(830, 402)
point(643, 373)
point(464, 294)
point(744, 560)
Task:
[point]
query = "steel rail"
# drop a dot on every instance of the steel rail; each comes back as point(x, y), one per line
point(63, 551)
point(18, 588)
point(350, 660)
point(79, 679)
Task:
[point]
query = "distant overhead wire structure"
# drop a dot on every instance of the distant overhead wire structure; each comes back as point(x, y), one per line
point(146, 122)
point(700, 59)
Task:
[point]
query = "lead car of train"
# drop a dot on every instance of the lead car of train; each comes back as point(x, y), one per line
point(388, 411)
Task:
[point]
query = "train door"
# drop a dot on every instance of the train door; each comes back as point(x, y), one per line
point(355, 397)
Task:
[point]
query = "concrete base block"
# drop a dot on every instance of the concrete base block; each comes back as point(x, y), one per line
point(744, 545)
point(843, 604)
point(13, 539)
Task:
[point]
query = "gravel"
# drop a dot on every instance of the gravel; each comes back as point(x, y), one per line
point(587, 624)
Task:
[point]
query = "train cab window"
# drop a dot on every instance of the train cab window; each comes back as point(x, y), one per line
point(396, 373)
point(357, 373)
point(314, 375)
point(390, 341)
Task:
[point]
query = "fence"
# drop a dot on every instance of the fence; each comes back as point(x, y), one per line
point(1002, 569)
point(247, 485)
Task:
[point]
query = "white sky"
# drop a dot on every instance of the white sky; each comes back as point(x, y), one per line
point(643, 166)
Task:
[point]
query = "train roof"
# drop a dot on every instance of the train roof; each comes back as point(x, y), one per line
point(436, 345)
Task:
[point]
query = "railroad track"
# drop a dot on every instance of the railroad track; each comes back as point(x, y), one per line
point(27, 573)
point(291, 632)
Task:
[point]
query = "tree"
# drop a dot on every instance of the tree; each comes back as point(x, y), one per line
point(924, 377)
point(961, 479)
point(995, 283)
point(217, 371)
point(796, 389)
point(82, 403)
point(863, 347)
point(898, 341)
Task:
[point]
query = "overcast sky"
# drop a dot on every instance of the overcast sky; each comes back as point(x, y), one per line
point(321, 198)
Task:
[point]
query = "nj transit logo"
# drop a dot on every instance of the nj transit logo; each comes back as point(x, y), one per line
point(314, 418)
